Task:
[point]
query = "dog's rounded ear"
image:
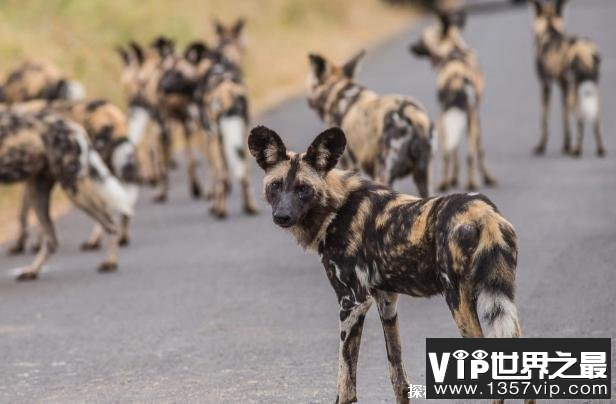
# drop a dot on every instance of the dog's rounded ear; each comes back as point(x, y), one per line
point(318, 64)
point(137, 51)
point(238, 27)
point(537, 5)
point(218, 27)
point(164, 46)
point(350, 67)
point(123, 55)
point(445, 20)
point(196, 51)
point(266, 147)
point(560, 4)
point(326, 149)
point(458, 19)
point(419, 48)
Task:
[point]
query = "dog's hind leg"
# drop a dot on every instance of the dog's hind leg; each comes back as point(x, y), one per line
point(194, 184)
point(564, 89)
point(475, 130)
point(220, 177)
point(462, 306)
point(124, 231)
point(388, 312)
point(40, 191)
point(19, 246)
point(94, 240)
point(110, 263)
point(164, 162)
point(351, 327)
point(599, 131)
point(545, 111)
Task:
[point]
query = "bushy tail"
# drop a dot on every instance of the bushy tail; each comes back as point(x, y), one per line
point(75, 91)
point(232, 131)
point(588, 99)
point(454, 125)
point(494, 266)
point(138, 118)
point(109, 187)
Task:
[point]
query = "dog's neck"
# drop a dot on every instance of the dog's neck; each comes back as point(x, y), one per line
point(313, 228)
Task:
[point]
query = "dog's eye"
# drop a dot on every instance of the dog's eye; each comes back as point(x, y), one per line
point(304, 191)
point(275, 186)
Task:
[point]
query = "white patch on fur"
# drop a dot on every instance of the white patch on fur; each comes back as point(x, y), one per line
point(505, 324)
point(123, 154)
point(471, 96)
point(232, 129)
point(138, 118)
point(454, 125)
point(75, 91)
point(132, 192)
point(394, 152)
point(110, 188)
point(362, 276)
point(588, 99)
point(433, 140)
point(82, 141)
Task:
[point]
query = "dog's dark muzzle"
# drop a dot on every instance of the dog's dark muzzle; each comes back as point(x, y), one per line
point(174, 82)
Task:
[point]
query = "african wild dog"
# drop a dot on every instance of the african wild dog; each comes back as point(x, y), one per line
point(390, 136)
point(376, 244)
point(459, 88)
point(222, 99)
point(39, 80)
point(105, 125)
point(230, 41)
point(42, 149)
point(150, 82)
point(574, 64)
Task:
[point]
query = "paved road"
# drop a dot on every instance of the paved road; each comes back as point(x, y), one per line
point(234, 311)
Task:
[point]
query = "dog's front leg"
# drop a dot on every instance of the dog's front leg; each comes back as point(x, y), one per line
point(351, 326)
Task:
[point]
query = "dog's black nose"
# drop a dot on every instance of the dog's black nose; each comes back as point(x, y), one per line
point(282, 219)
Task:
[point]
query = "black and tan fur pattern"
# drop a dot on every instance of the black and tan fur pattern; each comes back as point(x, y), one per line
point(38, 80)
point(375, 244)
point(229, 40)
point(44, 149)
point(460, 86)
point(574, 64)
point(105, 125)
point(150, 79)
point(222, 98)
point(390, 136)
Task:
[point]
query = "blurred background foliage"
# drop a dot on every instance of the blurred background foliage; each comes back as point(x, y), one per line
point(80, 35)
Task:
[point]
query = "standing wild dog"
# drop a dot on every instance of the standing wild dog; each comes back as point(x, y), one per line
point(105, 125)
point(390, 136)
point(222, 99)
point(574, 64)
point(150, 82)
point(39, 80)
point(376, 244)
point(43, 149)
point(230, 40)
point(459, 88)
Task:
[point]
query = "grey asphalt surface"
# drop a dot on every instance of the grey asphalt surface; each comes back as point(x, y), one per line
point(235, 311)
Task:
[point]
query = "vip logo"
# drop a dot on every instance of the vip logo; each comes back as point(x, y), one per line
point(478, 364)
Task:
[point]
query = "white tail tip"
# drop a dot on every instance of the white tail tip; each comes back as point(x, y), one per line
point(454, 125)
point(588, 98)
point(233, 129)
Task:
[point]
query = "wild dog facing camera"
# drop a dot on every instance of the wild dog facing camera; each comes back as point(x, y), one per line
point(294, 183)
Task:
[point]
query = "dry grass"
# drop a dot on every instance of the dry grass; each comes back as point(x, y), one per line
point(80, 36)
